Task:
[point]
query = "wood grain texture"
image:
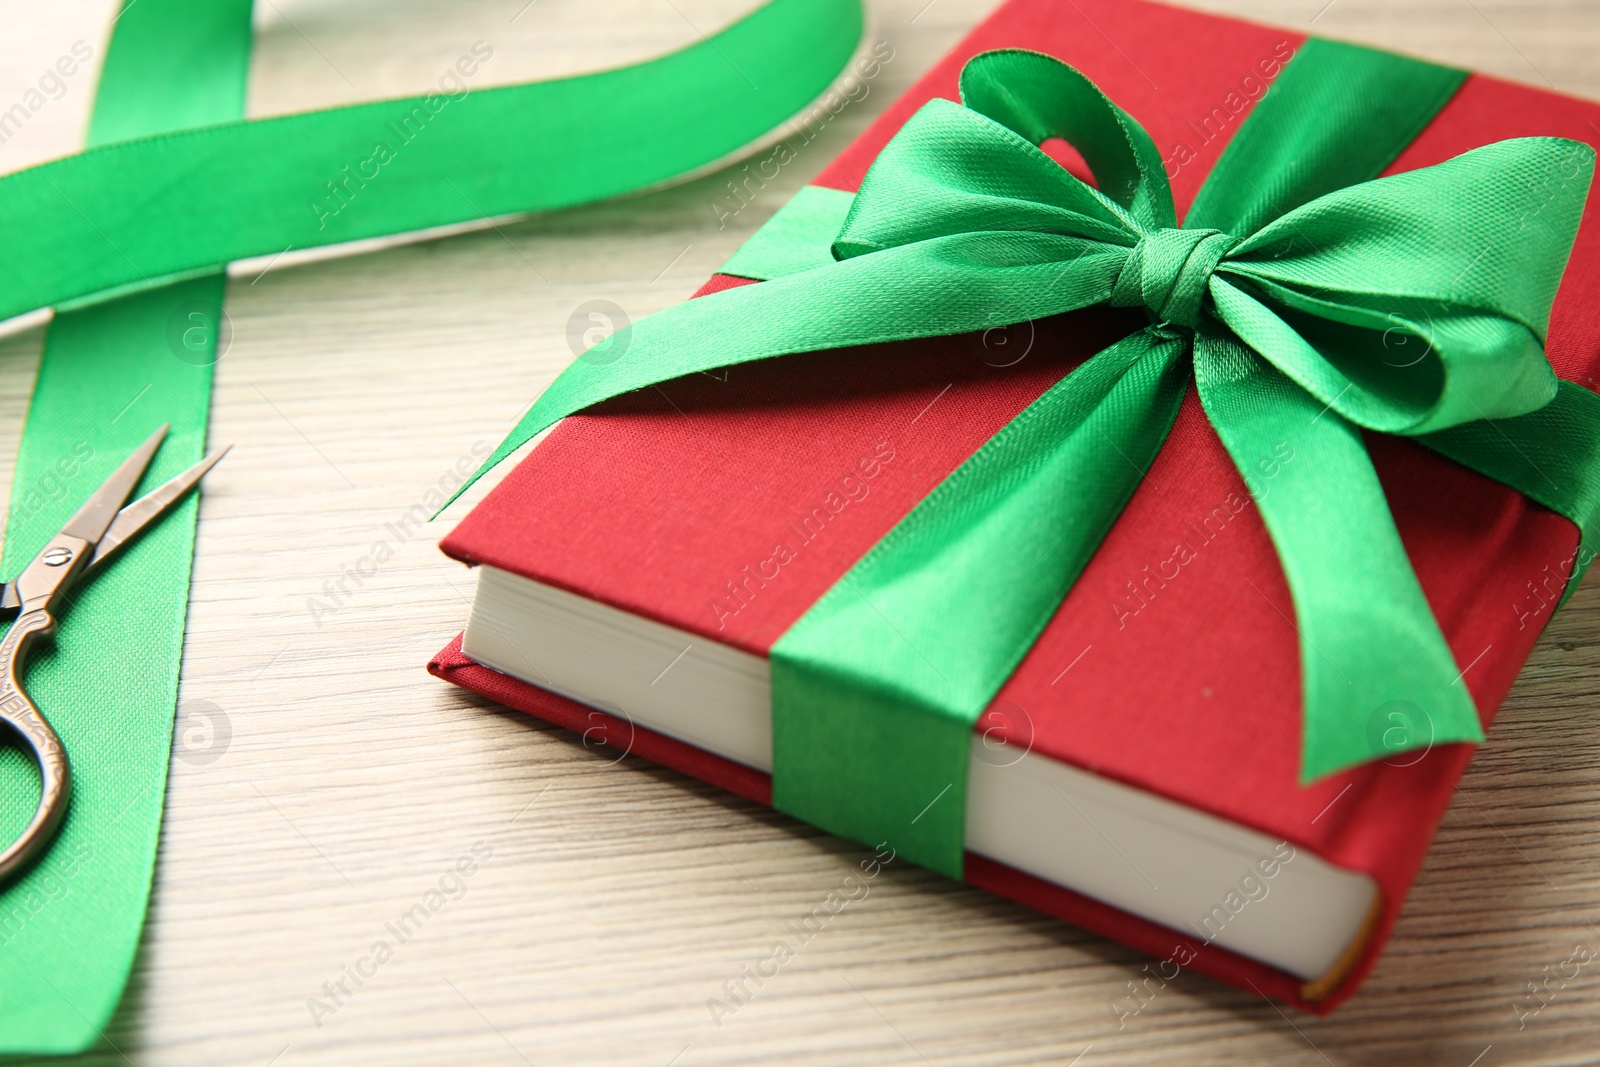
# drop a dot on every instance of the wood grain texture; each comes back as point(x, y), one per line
point(620, 898)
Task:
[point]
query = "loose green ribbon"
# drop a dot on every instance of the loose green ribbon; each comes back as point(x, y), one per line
point(1308, 301)
point(173, 188)
point(107, 377)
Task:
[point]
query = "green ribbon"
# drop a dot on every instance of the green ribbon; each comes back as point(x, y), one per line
point(108, 376)
point(132, 235)
point(1307, 299)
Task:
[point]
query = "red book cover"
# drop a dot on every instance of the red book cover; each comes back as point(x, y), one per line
point(1176, 672)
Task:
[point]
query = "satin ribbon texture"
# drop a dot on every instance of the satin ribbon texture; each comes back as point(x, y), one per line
point(129, 239)
point(1305, 303)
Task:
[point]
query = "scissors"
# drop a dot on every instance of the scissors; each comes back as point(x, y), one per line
point(89, 538)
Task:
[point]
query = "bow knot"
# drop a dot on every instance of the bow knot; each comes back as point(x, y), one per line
point(1169, 272)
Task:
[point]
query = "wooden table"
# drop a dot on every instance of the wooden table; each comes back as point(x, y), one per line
point(618, 899)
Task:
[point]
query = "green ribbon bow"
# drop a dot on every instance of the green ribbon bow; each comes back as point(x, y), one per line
point(1307, 304)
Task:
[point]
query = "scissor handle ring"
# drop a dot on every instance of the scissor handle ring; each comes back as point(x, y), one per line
point(19, 712)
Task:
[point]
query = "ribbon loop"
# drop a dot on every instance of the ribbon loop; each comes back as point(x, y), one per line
point(1169, 273)
point(1039, 97)
point(943, 162)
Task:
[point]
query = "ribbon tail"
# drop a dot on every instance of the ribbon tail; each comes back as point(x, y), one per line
point(948, 285)
point(1551, 456)
point(1371, 653)
point(876, 689)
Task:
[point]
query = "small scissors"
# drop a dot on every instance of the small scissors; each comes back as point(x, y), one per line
point(89, 538)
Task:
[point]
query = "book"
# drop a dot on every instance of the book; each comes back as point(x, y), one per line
point(1138, 774)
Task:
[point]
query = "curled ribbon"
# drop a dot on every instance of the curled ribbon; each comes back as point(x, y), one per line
point(1283, 297)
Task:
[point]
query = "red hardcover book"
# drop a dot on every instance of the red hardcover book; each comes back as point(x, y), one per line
point(724, 508)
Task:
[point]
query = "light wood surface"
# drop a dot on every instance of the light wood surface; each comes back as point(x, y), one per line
point(620, 898)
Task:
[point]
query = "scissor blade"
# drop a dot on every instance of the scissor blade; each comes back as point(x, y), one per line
point(97, 514)
point(142, 512)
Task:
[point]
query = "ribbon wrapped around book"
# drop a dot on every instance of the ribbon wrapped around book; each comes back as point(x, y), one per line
point(1307, 299)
